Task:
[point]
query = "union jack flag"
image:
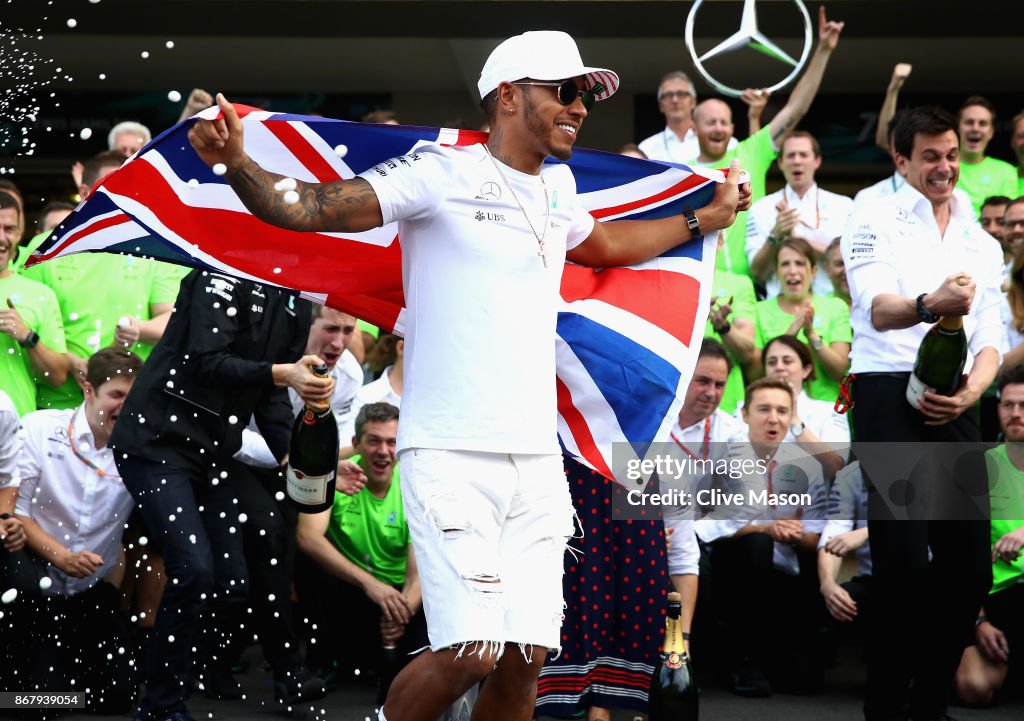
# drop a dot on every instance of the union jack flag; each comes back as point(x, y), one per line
point(627, 338)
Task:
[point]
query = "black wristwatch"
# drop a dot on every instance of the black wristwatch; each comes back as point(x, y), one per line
point(923, 313)
point(724, 329)
point(692, 223)
point(30, 341)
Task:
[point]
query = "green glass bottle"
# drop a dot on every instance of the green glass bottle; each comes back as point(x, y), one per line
point(313, 456)
point(673, 693)
point(940, 360)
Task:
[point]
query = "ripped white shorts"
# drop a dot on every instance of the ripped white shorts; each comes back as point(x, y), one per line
point(489, 531)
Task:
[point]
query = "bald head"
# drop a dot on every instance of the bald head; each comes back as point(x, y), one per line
point(712, 122)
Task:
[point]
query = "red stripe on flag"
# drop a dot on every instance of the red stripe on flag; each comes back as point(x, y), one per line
point(665, 298)
point(305, 153)
point(78, 234)
point(580, 430)
point(691, 182)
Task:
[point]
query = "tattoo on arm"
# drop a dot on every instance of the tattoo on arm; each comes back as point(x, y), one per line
point(321, 206)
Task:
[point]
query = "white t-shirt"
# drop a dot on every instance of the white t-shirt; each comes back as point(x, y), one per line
point(10, 442)
point(848, 510)
point(667, 146)
point(481, 306)
point(378, 391)
point(889, 186)
point(823, 216)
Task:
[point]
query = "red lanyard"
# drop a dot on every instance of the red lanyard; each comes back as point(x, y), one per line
point(817, 209)
point(78, 454)
point(705, 446)
point(771, 492)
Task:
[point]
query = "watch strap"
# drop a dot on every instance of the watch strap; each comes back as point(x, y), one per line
point(692, 223)
point(30, 341)
point(923, 313)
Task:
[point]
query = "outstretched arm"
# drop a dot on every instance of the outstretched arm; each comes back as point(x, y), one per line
point(803, 94)
point(626, 242)
point(339, 206)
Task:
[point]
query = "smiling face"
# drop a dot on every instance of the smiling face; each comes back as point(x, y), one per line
point(552, 126)
point(1013, 228)
point(976, 129)
point(795, 273)
point(798, 163)
point(933, 166)
point(835, 268)
point(10, 235)
point(103, 405)
point(705, 390)
point(377, 448)
point(782, 363)
point(329, 335)
point(712, 122)
point(769, 415)
point(992, 220)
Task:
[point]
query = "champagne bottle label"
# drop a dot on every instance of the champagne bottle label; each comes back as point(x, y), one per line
point(916, 390)
point(673, 660)
point(307, 490)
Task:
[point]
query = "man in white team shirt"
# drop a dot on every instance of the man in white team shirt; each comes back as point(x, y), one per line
point(801, 209)
point(487, 501)
point(677, 143)
point(911, 258)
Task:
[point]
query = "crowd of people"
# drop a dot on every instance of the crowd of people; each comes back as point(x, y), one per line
point(146, 411)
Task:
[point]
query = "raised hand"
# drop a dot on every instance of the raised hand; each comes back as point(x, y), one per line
point(219, 140)
point(828, 30)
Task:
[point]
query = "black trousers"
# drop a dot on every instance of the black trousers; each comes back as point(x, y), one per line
point(46, 642)
point(269, 540)
point(768, 617)
point(922, 611)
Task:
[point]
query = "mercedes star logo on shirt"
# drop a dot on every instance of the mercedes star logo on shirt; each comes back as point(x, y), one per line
point(490, 191)
point(748, 35)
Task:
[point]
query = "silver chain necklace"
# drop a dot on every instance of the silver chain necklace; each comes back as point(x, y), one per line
point(547, 207)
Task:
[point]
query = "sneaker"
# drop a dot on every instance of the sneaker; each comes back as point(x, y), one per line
point(220, 685)
point(298, 686)
point(749, 680)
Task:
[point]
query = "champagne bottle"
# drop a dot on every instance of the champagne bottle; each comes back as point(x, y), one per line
point(940, 360)
point(673, 694)
point(313, 457)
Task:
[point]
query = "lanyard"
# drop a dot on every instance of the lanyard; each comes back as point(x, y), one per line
point(705, 446)
point(78, 454)
point(817, 208)
point(771, 469)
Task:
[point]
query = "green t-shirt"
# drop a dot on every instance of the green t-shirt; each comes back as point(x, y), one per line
point(1020, 185)
point(38, 308)
point(371, 532)
point(1006, 494)
point(727, 285)
point(28, 249)
point(94, 291)
point(368, 327)
point(831, 321)
point(989, 177)
point(756, 154)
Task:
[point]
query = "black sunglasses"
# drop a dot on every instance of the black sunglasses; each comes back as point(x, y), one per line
point(567, 92)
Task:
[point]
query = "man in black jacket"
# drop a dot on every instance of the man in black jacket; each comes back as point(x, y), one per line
point(228, 353)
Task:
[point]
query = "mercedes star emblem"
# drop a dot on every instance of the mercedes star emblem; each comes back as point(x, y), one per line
point(490, 191)
point(748, 36)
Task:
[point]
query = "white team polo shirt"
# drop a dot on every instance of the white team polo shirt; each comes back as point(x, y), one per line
point(10, 442)
point(893, 246)
point(74, 494)
point(823, 216)
point(378, 391)
point(666, 146)
point(481, 306)
point(848, 510)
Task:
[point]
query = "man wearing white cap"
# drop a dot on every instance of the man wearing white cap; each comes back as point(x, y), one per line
point(485, 232)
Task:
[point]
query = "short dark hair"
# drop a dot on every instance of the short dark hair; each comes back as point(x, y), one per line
point(1010, 375)
point(711, 348)
point(797, 346)
point(53, 206)
point(762, 383)
point(833, 244)
point(1014, 201)
point(380, 116)
point(927, 120)
point(801, 134)
point(107, 363)
point(996, 200)
point(977, 100)
point(91, 170)
point(374, 413)
point(8, 186)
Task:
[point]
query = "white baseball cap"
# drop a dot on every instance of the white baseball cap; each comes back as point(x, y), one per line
point(542, 55)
